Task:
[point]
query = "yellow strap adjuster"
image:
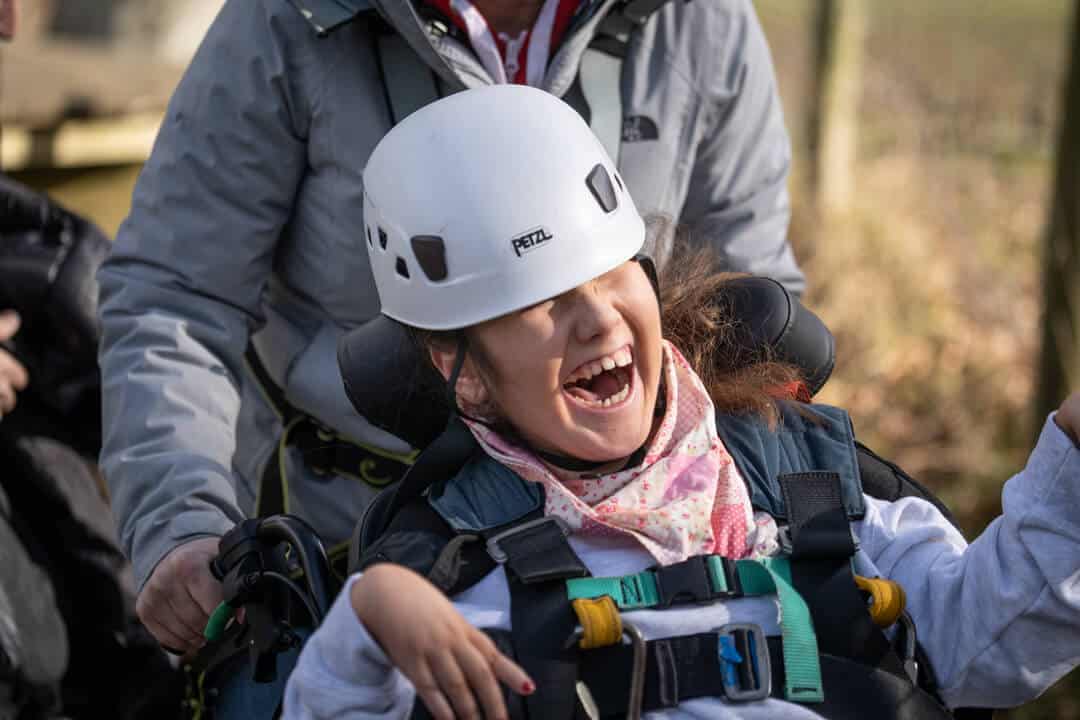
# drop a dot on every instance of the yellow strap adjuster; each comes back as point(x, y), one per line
point(887, 599)
point(601, 624)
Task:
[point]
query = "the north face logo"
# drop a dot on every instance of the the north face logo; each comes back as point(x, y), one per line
point(638, 128)
point(529, 241)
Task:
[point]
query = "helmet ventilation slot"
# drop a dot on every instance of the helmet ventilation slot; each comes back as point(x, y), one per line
point(600, 185)
point(430, 252)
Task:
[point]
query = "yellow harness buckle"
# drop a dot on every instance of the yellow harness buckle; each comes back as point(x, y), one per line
point(601, 624)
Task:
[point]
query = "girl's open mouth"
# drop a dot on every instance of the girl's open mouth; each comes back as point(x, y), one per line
point(604, 383)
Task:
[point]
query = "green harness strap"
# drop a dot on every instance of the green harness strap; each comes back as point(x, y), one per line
point(770, 576)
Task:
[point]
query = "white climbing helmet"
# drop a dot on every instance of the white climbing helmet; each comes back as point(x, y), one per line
point(488, 201)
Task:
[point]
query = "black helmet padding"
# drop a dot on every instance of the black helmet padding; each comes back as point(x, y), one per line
point(386, 381)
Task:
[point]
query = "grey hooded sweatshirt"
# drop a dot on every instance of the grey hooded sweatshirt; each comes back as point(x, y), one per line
point(246, 226)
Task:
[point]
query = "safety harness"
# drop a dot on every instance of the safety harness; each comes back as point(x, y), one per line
point(324, 451)
point(567, 630)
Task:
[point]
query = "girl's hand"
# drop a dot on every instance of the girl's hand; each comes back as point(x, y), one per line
point(455, 667)
point(1068, 417)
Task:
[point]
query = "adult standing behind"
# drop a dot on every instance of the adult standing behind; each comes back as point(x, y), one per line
point(246, 230)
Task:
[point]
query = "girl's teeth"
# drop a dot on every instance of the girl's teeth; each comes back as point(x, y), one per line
point(611, 400)
point(618, 359)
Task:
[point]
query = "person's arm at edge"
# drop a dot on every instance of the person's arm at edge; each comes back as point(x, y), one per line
point(1000, 619)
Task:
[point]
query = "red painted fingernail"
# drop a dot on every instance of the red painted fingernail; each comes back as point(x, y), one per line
point(528, 687)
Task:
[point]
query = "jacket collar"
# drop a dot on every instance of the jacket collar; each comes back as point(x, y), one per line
point(454, 62)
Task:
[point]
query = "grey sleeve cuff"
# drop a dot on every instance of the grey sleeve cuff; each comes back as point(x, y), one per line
point(154, 541)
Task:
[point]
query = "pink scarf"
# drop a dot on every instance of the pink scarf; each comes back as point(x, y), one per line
point(686, 498)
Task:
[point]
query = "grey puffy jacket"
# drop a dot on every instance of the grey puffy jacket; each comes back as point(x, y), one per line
point(246, 226)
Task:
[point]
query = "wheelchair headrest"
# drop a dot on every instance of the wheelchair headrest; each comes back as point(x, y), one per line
point(382, 366)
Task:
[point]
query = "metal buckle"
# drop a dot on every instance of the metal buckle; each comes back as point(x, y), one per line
point(909, 643)
point(499, 555)
point(743, 653)
point(783, 537)
point(637, 673)
point(636, 698)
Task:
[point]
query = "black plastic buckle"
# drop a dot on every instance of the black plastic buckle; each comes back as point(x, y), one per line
point(743, 653)
point(499, 555)
point(689, 582)
point(318, 448)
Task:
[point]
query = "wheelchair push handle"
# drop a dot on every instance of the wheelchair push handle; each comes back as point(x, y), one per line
point(243, 567)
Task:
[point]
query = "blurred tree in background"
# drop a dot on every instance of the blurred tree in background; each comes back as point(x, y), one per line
point(832, 118)
point(1059, 369)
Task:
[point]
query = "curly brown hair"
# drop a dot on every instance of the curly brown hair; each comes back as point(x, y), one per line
point(697, 317)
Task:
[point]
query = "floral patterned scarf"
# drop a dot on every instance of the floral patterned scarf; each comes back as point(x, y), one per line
point(686, 498)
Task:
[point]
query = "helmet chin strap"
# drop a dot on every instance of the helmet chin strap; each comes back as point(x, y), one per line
point(564, 462)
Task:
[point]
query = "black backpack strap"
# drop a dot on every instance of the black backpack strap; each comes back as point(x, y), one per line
point(597, 91)
point(408, 82)
point(821, 570)
point(420, 539)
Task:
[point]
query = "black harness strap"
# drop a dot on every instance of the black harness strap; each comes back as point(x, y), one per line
point(323, 452)
point(822, 548)
point(861, 691)
point(538, 560)
point(688, 667)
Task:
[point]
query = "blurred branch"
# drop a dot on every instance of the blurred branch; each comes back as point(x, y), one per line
point(839, 34)
point(1059, 367)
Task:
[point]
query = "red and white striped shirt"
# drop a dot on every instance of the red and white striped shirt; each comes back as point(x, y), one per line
point(522, 59)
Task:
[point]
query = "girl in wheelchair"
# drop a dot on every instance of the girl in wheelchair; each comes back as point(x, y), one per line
point(614, 525)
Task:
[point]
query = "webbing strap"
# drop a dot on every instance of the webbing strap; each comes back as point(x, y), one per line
point(322, 450)
point(600, 74)
point(821, 569)
point(537, 551)
point(816, 515)
point(643, 590)
point(538, 559)
point(802, 666)
point(409, 83)
point(630, 592)
point(755, 577)
point(638, 11)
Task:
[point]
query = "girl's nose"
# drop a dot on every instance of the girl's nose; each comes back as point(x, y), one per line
point(595, 315)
